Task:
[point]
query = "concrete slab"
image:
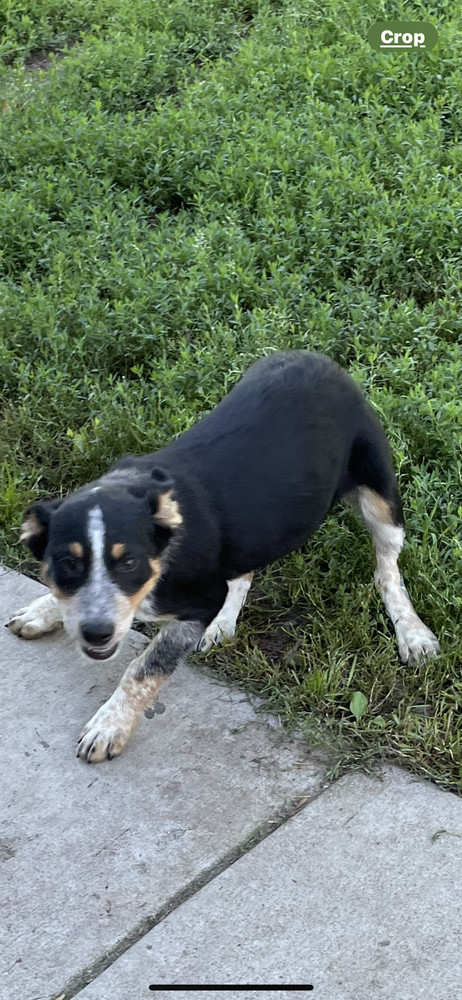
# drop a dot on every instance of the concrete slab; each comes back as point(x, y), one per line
point(358, 896)
point(94, 854)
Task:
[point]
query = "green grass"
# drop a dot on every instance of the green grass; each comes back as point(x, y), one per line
point(189, 186)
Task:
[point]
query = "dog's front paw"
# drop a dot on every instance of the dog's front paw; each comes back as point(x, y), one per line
point(38, 618)
point(219, 629)
point(106, 734)
point(417, 643)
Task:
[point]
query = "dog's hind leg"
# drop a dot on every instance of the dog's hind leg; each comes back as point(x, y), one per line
point(380, 506)
point(223, 625)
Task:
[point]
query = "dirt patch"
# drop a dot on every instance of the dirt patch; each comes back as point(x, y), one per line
point(283, 642)
point(42, 60)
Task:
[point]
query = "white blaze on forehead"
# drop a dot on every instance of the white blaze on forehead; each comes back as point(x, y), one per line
point(96, 530)
point(97, 596)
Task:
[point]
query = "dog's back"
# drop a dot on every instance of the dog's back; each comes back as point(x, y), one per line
point(273, 456)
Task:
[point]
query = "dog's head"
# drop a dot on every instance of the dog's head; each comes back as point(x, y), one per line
point(103, 549)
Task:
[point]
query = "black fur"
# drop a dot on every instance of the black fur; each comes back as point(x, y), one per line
point(258, 475)
point(252, 480)
point(174, 642)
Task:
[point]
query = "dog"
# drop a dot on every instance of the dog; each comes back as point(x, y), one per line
point(175, 536)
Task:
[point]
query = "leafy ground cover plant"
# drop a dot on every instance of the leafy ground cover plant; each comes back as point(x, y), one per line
point(185, 187)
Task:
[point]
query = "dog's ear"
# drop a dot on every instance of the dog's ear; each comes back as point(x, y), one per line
point(164, 503)
point(35, 526)
point(159, 492)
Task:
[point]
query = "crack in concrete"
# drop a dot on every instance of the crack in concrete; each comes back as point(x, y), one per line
point(82, 979)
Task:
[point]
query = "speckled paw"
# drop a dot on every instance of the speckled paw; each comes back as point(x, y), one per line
point(38, 618)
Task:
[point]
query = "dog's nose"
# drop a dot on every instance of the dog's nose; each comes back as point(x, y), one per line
point(97, 633)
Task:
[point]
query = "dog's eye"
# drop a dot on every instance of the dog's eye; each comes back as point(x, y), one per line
point(127, 563)
point(68, 564)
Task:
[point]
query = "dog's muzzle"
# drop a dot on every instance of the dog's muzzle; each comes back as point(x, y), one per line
point(100, 654)
point(97, 637)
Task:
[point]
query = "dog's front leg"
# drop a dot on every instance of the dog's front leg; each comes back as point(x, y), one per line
point(110, 729)
point(37, 618)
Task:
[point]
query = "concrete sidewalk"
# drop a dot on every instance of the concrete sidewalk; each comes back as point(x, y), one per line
point(212, 851)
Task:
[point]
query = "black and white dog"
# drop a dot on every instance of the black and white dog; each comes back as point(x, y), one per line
point(175, 536)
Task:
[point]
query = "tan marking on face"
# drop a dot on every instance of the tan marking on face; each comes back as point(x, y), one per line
point(374, 506)
point(117, 550)
point(168, 512)
point(76, 549)
point(47, 579)
point(135, 599)
point(58, 593)
point(30, 526)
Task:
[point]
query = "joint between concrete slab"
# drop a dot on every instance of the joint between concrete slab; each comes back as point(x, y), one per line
point(82, 980)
